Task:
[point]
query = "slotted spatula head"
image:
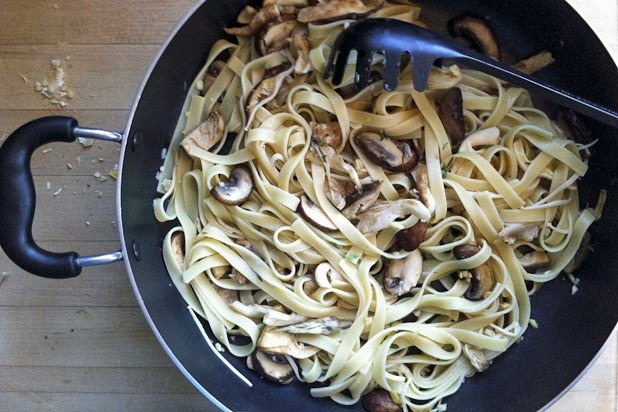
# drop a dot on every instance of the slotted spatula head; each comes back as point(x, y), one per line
point(393, 38)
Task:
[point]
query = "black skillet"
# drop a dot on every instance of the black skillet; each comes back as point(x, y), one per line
point(530, 376)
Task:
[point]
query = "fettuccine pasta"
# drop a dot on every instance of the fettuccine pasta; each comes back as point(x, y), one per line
point(352, 274)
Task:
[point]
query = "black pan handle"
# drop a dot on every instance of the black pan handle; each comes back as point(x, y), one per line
point(18, 198)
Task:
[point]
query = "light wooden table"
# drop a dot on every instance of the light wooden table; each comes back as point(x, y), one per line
point(82, 344)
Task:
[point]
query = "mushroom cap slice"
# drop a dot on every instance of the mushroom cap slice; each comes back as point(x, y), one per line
point(403, 274)
point(379, 400)
point(483, 279)
point(274, 368)
point(452, 116)
point(478, 32)
point(237, 188)
point(410, 239)
point(315, 215)
point(337, 10)
point(393, 155)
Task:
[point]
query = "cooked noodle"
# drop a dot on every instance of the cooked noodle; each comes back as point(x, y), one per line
point(242, 266)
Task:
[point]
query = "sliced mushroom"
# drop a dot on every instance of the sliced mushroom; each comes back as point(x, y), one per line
point(328, 134)
point(393, 155)
point(422, 184)
point(315, 215)
point(535, 260)
point(229, 296)
point(337, 10)
point(321, 326)
point(211, 75)
point(246, 15)
point(266, 90)
point(403, 274)
point(273, 340)
point(574, 126)
point(275, 36)
point(338, 190)
point(178, 246)
point(358, 201)
point(302, 64)
point(258, 21)
point(520, 231)
point(476, 357)
point(478, 32)
point(209, 133)
point(274, 368)
point(451, 115)
point(410, 239)
point(380, 215)
point(482, 280)
point(237, 188)
point(379, 400)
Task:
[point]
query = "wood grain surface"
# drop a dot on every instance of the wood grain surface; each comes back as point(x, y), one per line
point(82, 344)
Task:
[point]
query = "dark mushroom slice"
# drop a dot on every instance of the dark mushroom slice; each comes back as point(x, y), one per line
point(393, 155)
point(574, 126)
point(237, 188)
point(315, 215)
point(581, 254)
point(409, 239)
point(452, 116)
point(337, 10)
point(359, 200)
point(478, 32)
point(482, 280)
point(274, 368)
point(380, 400)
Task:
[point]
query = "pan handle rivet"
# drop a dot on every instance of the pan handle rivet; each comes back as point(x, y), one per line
point(137, 140)
point(136, 247)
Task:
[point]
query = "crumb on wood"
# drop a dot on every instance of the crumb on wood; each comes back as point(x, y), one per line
point(53, 86)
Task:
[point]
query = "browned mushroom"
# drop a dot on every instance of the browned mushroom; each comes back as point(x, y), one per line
point(274, 368)
point(360, 200)
point(451, 115)
point(328, 134)
point(535, 260)
point(478, 32)
point(258, 21)
point(337, 10)
point(393, 155)
point(380, 400)
point(302, 64)
point(208, 134)
point(211, 75)
point(266, 90)
point(275, 36)
point(403, 274)
point(315, 215)
point(237, 188)
point(409, 239)
point(246, 15)
point(483, 279)
point(574, 126)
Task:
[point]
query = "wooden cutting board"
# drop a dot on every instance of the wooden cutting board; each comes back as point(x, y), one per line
point(83, 344)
